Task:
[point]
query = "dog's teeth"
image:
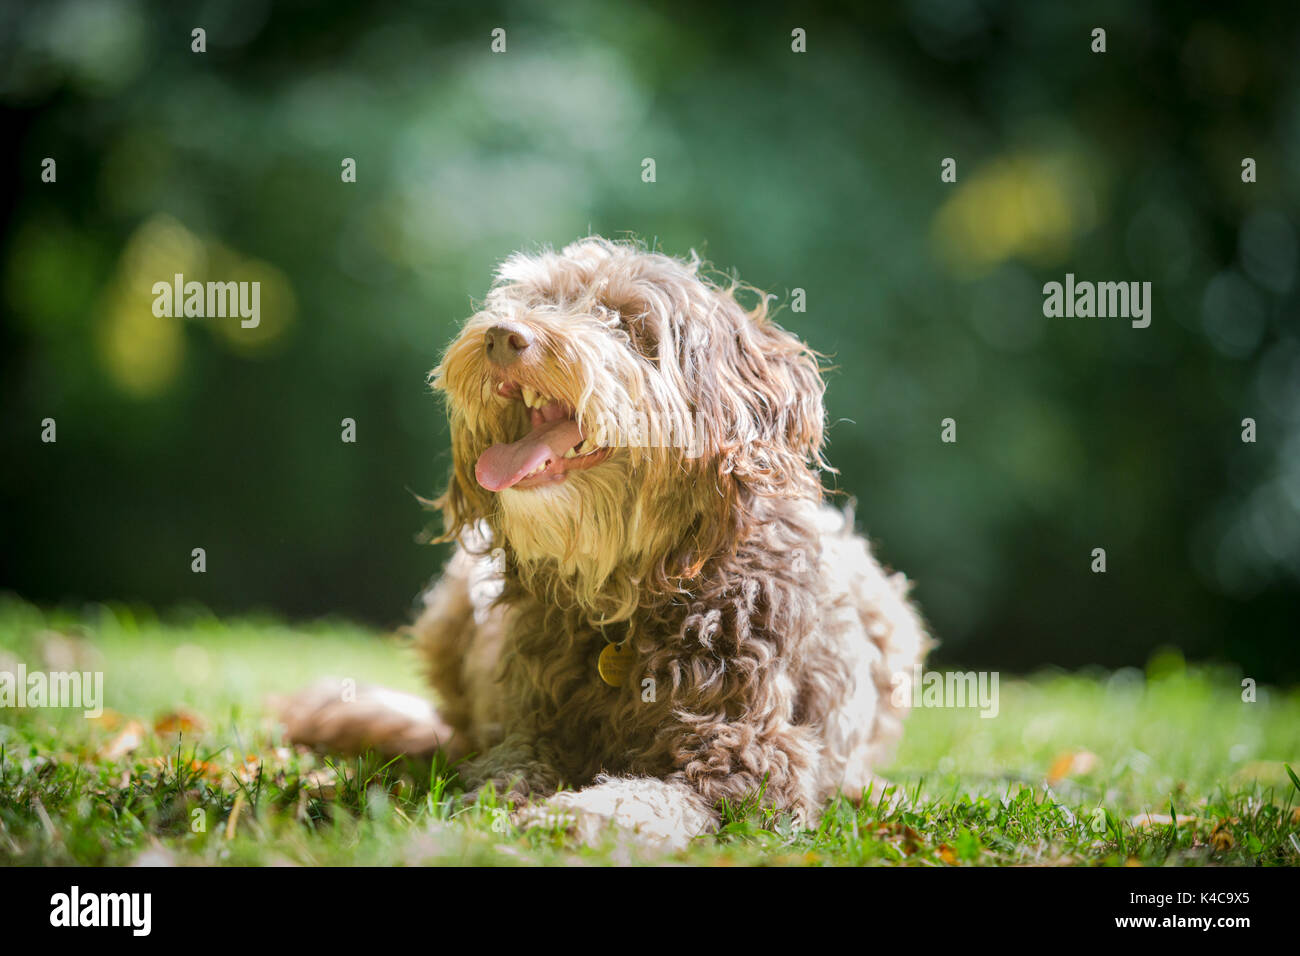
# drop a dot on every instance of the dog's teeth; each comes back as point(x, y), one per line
point(588, 446)
point(530, 397)
point(571, 453)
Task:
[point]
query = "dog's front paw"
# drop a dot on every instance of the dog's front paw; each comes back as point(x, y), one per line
point(644, 812)
point(500, 790)
point(515, 787)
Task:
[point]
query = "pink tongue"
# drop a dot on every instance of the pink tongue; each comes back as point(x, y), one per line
point(506, 464)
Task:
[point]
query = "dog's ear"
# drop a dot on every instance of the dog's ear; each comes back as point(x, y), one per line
point(759, 394)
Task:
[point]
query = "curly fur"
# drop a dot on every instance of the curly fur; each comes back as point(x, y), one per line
point(766, 636)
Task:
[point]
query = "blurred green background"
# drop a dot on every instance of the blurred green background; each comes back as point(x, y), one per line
point(818, 171)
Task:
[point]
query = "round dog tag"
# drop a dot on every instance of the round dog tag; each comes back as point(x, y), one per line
point(614, 663)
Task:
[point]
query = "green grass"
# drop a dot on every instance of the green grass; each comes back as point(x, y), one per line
point(216, 786)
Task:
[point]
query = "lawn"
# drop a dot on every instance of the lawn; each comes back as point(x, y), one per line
point(1167, 766)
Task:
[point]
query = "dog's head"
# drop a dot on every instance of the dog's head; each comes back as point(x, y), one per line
point(614, 415)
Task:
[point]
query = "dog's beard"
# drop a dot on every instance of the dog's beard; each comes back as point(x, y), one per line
point(581, 527)
point(593, 538)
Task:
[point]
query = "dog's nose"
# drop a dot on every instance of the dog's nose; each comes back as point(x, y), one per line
point(505, 343)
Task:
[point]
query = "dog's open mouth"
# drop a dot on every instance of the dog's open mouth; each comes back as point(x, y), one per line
point(553, 447)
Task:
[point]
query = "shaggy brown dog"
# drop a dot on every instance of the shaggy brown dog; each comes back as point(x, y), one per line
point(648, 601)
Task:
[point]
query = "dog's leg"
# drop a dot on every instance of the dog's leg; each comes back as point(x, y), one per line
point(519, 768)
point(656, 815)
point(341, 717)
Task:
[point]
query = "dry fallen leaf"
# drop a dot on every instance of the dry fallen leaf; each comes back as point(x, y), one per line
point(911, 840)
point(1072, 763)
point(248, 771)
point(129, 740)
point(947, 855)
point(209, 770)
point(178, 722)
point(1160, 820)
point(109, 719)
point(200, 767)
point(322, 783)
point(1221, 838)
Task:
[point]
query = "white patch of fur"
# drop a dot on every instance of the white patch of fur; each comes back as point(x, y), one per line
point(656, 815)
